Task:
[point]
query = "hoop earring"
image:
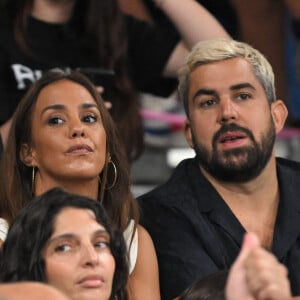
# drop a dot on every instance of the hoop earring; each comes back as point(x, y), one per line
point(33, 181)
point(115, 175)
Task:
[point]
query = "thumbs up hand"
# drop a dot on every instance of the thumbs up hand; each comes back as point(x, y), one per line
point(256, 274)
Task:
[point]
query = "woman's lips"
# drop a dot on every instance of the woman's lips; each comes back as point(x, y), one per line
point(79, 149)
point(92, 281)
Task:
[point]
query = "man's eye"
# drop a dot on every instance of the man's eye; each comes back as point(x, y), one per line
point(55, 121)
point(244, 96)
point(62, 248)
point(207, 103)
point(89, 119)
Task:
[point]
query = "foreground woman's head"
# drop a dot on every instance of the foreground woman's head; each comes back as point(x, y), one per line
point(66, 241)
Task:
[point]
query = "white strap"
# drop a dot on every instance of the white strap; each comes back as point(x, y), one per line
point(132, 247)
point(3, 229)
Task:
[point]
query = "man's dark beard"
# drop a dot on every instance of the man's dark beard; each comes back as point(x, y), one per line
point(251, 159)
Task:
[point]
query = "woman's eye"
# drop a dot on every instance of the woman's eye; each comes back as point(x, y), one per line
point(55, 121)
point(102, 245)
point(90, 119)
point(62, 248)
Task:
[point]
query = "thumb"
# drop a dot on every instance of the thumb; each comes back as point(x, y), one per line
point(250, 242)
point(236, 287)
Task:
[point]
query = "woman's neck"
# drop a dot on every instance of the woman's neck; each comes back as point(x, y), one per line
point(53, 11)
point(87, 188)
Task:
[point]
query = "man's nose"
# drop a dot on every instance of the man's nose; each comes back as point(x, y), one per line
point(228, 111)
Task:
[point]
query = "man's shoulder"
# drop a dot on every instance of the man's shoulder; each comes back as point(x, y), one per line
point(174, 187)
point(288, 172)
point(288, 165)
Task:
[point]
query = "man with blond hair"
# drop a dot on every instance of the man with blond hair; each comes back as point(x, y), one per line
point(235, 184)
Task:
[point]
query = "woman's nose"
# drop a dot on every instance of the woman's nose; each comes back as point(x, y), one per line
point(77, 129)
point(77, 132)
point(90, 256)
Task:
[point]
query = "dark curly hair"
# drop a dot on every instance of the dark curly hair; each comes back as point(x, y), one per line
point(21, 257)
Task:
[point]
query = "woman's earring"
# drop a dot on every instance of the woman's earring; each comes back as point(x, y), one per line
point(33, 181)
point(115, 175)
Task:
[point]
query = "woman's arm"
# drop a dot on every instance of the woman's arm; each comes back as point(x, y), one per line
point(4, 131)
point(136, 8)
point(144, 280)
point(192, 20)
point(194, 23)
point(294, 7)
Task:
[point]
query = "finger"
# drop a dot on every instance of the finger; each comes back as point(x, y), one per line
point(236, 287)
point(108, 104)
point(260, 267)
point(100, 89)
point(266, 277)
point(279, 290)
point(250, 242)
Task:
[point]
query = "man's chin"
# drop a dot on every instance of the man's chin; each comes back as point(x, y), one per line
point(233, 160)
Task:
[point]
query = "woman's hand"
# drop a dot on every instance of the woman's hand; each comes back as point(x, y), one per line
point(4, 131)
point(108, 104)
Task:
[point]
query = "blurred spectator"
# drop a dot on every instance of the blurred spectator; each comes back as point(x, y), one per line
point(36, 35)
point(294, 7)
point(267, 26)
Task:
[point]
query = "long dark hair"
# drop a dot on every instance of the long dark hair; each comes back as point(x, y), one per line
point(101, 31)
point(21, 258)
point(17, 182)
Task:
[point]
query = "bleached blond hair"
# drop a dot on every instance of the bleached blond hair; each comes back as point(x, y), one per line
point(220, 49)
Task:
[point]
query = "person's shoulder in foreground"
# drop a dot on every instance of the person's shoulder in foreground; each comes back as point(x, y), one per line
point(30, 291)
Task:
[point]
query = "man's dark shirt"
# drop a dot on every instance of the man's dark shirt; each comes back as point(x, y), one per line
point(196, 234)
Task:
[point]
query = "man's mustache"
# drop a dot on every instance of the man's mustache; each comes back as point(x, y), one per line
point(231, 127)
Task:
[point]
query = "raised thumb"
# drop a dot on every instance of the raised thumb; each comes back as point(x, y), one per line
point(250, 242)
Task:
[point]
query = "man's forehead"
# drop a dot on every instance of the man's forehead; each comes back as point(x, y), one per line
point(229, 72)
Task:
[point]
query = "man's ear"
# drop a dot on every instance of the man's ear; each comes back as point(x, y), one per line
point(188, 133)
point(279, 113)
point(26, 155)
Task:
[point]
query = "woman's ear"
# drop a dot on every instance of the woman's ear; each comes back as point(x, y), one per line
point(26, 155)
point(188, 133)
point(279, 113)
